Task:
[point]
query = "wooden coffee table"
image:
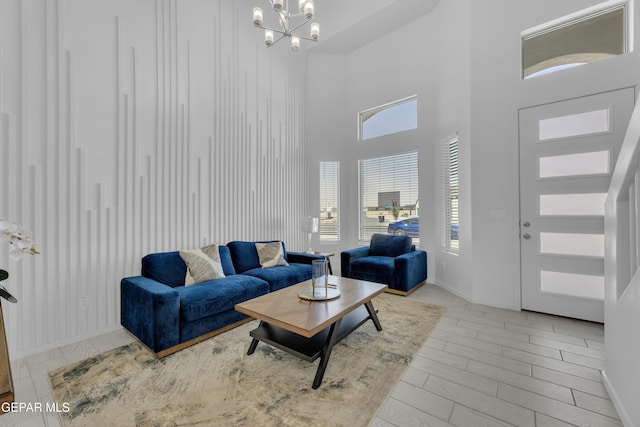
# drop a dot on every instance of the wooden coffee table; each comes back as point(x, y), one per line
point(310, 329)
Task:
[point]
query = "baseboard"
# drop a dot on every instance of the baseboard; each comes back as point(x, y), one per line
point(475, 300)
point(454, 291)
point(493, 304)
point(615, 399)
point(62, 343)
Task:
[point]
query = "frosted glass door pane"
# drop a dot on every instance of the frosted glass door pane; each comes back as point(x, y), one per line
point(586, 204)
point(574, 125)
point(572, 244)
point(578, 285)
point(574, 164)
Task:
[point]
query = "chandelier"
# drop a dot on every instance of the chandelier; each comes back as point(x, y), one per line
point(290, 21)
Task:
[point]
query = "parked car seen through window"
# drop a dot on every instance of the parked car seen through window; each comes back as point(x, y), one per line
point(411, 227)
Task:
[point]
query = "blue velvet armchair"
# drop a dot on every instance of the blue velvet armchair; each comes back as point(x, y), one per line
point(391, 260)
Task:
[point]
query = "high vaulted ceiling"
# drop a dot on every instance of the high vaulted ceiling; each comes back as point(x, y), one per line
point(348, 25)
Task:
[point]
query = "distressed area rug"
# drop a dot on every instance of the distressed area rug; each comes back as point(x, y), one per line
point(215, 383)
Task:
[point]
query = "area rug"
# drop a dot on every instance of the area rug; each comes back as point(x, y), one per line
point(215, 383)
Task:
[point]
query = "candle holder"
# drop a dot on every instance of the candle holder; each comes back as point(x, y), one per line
point(320, 289)
point(320, 278)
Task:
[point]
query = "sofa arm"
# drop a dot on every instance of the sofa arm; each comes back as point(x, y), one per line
point(348, 256)
point(411, 269)
point(150, 310)
point(302, 257)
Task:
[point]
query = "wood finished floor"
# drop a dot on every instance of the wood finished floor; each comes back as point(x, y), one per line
point(482, 366)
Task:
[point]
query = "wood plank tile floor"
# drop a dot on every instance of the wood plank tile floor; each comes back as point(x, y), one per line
point(485, 366)
point(482, 366)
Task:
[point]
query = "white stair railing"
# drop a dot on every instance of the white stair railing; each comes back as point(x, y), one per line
point(622, 281)
point(622, 212)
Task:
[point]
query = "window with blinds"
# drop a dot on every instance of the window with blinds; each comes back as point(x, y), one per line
point(329, 197)
point(397, 116)
point(389, 196)
point(450, 181)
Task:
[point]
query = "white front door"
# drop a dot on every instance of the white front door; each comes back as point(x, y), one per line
point(567, 153)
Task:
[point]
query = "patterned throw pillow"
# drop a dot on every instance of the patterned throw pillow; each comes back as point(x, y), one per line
point(202, 264)
point(271, 254)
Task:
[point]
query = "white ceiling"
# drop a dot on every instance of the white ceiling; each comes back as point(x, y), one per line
point(348, 25)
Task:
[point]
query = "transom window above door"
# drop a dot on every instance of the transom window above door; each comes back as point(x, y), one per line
point(590, 35)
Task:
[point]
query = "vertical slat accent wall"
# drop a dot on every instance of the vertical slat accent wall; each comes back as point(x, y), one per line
point(137, 127)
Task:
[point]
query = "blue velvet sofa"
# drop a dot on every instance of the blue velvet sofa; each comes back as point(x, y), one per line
point(168, 316)
point(392, 260)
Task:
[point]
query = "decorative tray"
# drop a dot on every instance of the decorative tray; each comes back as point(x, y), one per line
point(320, 295)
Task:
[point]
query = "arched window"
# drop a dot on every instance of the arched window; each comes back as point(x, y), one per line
point(394, 117)
point(587, 36)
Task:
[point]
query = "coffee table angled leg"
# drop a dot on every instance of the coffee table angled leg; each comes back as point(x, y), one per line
point(373, 315)
point(254, 343)
point(326, 353)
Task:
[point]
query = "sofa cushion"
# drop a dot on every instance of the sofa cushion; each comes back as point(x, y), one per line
point(165, 267)
point(391, 246)
point(216, 296)
point(225, 260)
point(271, 254)
point(170, 269)
point(245, 255)
point(377, 269)
point(202, 264)
point(282, 276)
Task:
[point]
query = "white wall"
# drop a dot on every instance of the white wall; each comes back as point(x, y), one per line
point(131, 127)
point(452, 21)
point(497, 91)
point(329, 132)
point(496, 95)
point(463, 60)
point(428, 57)
point(135, 127)
point(340, 85)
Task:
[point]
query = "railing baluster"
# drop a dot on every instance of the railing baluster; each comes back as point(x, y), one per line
point(633, 215)
point(635, 229)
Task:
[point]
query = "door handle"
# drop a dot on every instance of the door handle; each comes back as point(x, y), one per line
point(526, 224)
point(526, 236)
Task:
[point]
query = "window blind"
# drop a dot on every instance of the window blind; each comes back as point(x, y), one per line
point(329, 200)
point(388, 193)
point(450, 192)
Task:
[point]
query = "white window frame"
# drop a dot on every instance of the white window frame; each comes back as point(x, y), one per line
point(361, 195)
point(447, 168)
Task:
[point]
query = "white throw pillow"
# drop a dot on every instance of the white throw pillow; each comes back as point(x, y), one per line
point(202, 264)
point(271, 254)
